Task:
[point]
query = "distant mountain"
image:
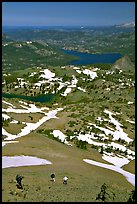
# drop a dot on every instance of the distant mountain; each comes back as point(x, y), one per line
point(5, 38)
point(126, 25)
point(124, 63)
point(117, 38)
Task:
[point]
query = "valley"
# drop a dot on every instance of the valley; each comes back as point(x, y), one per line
point(78, 117)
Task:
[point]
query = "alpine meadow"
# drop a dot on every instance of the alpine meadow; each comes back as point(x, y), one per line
point(68, 112)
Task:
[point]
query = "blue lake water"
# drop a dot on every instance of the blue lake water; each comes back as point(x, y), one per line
point(87, 58)
point(44, 98)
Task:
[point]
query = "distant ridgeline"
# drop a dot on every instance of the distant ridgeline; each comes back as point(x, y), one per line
point(35, 46)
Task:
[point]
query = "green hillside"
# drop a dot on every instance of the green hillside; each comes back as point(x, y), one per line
point(89, 39)
point(22, 55)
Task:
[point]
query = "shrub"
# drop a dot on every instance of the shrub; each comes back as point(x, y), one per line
point(132, 196)
point(101, 151)
point(108, 149)
point(40, 131)
point(81, 144)
point(102, 194)
point(71, 123)
point(94, 146)
point(105, 194)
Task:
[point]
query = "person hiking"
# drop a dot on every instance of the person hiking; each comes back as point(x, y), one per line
point(19, 179)
point(65, 180)
point(52, 177)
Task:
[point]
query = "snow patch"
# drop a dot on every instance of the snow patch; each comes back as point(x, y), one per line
point(92, 74)
point(15, 161)
point(61, 136)
point(47, 74)
point(129, 176)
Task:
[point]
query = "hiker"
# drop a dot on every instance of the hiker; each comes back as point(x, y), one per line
point(52, 177)
point(65, 180)
point(19, 179)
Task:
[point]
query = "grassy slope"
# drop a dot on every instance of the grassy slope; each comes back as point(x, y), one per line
point(84, 180)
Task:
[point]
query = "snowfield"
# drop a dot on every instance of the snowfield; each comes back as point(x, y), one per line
point(130, 177)
point(30, 126)
point(47, 74)
point(22, 160)
point(61, 136)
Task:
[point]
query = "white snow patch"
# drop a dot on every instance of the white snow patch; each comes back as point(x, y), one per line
point(73, 82)
point(31, 109)
point(5, 116)
point(95, 69)
point(67, 91)
point(28, 42)
point(31, 126)
point(91, 73)
point(130, 121)
point(39, 83)
point(118, 146)
point(8, 142)
point(21, 81)
point(129, 176)
point(61, 136)
point(116, 160)
point(76, 68)
point(5, 44)
point(87, 138)
point(14, 121)
point(78, 71)
point(81, 89)
point(15, 161)
point(23, 103)
point(32, 74)
point(8, 104)
point(130, 102)
point(47, 74)
point(107, 89)
point(119, 133)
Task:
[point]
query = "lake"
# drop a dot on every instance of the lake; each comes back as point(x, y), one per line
point(87, 58)
point(44, 98)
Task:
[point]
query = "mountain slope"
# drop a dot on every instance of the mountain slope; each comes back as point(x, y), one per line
point(124, 63)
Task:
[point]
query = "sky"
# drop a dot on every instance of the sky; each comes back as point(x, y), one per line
point(67, 13)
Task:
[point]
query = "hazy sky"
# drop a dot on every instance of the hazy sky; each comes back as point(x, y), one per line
point(67, 13)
